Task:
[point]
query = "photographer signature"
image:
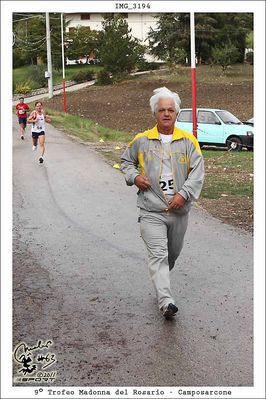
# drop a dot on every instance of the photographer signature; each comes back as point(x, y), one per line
point(23, 354)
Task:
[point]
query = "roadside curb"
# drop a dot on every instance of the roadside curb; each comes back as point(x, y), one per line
point(43, 93)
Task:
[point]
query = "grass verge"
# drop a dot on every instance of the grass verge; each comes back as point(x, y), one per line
point(85, 129)
point(228, 174)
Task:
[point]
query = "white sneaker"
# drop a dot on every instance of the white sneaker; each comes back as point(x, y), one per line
point(34, 147)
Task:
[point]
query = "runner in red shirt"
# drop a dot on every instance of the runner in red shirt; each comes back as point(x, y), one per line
point(22, 110)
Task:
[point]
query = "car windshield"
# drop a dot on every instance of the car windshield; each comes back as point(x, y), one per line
point(228, 118)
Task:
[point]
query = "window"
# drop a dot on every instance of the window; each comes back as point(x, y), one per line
point(228, 118)
point(70, 29)
point(85, 16)
point(207, 117)
point(185, 116)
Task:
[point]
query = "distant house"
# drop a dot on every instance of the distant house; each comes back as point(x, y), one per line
point(139, 23)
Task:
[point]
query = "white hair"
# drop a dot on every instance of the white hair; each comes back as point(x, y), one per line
point(163, 92)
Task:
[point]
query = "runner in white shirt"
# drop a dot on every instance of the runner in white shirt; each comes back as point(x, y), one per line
point(38, 119)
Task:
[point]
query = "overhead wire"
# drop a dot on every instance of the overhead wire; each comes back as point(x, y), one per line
point(31, 43)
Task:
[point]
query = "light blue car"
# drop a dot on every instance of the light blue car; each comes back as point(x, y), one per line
point(217, 127)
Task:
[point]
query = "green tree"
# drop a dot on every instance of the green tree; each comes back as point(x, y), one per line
point(225, 55)
point(173, 33)
point(234, 28)
point(29, 31)
point(211, 29)
point(81, 42)
point(118, 50)
point(163, 40)
point(250, 40)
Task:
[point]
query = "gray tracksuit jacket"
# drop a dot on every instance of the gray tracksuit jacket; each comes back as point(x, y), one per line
point(144, 155)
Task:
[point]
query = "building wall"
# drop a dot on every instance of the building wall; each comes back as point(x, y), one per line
point(139, 23)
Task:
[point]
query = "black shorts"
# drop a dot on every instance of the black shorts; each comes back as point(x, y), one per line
point(22, 120)
point(35, 135)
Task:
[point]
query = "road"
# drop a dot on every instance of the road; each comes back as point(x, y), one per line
point(81, 280)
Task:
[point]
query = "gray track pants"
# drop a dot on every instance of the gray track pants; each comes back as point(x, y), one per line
point(163, 234)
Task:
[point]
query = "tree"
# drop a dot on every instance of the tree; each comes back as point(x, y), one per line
point(250, 40)
point(163, 40)
point(118, 50)
point(30, 38)
point(234, 28)
point(173, 33)
point(82, 42)
point(225, 55)
point(211, 29)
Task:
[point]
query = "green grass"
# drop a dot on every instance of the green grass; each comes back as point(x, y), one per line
point(206, 74)
point(235, 159)
point(228, 173)
point(85, 129)
point(72, 70)
point(21, 75)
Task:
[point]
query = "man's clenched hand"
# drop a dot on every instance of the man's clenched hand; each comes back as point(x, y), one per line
point(142, 182)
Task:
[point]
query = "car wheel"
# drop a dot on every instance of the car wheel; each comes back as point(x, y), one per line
point(234, 144)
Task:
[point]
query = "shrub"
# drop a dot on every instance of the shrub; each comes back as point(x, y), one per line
point(147, 66)
point(119, 77)
point(37, 74)
point(18, 58)
point(225, 55)
point(23, 88)
point(104, 78)
point(82, 76)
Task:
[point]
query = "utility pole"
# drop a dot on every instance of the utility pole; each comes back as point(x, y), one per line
point(63, 63)
point(49, 73)
point(193, 73)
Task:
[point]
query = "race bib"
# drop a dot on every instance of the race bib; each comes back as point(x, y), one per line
point(167, 184)
point(21, 112)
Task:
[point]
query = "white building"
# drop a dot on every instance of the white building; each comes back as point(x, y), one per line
point(139, 23)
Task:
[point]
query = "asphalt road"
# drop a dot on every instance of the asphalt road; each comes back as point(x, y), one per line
point(81, 280)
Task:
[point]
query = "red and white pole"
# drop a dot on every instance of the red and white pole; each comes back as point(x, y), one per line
point(63, 64)
point(193, 73)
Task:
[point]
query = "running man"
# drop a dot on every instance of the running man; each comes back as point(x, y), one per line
point(167, 166)
point(22, 110)
point(38, 119)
